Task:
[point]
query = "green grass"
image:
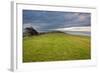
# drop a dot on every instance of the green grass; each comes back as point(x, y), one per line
point(56, 47)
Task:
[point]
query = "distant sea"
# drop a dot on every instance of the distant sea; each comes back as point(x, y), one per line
point(79, 33)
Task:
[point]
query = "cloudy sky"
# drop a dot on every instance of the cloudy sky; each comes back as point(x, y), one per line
point(47, 20)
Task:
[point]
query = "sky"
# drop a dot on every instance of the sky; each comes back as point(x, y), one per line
point(47, 20)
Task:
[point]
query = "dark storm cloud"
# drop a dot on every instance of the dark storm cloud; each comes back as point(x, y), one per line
point(44, 20)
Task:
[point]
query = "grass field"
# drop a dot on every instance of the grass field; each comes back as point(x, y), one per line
point(56, 47)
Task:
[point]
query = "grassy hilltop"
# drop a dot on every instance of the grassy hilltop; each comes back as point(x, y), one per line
point(55, 47)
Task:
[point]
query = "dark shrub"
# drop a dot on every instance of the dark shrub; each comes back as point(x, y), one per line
point(30, 31)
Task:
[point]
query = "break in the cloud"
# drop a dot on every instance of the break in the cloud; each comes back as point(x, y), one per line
point(46, 20)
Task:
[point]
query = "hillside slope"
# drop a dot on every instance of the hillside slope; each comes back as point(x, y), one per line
point(55, 47)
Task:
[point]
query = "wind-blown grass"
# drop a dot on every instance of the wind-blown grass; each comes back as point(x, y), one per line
point(56, 47)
